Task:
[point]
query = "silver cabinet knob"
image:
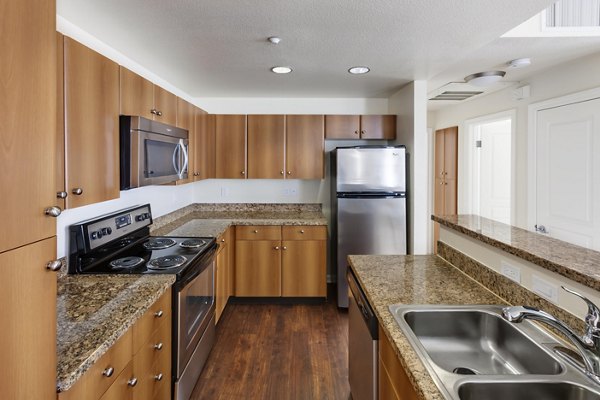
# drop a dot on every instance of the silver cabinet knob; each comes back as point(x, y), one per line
point(281, 172)
point(255, 231)
point(77, 191)
point(276, 247)
point(356, 132)
point(53, 211)
point(158, 377)
point(301, 230)
point(284, 247)
point(223, 240)
point(108, 372)
point(55, 265)
point(289, 172)
point(159, 113)
point(158, 346)
point(132, 382)
point(158, 314)
point(153, 111)
point(62, 195)
point(362, 132)
point(243, 172)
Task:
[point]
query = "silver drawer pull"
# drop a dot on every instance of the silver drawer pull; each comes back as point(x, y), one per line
point(132, 382)
point(158, 314)
point(55, 265)
point(158, 377)
point(108, 372)
point(301, 230)
point(255, 231)
point(158, 346)
point(53, 211)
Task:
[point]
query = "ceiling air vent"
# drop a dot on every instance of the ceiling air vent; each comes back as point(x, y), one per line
point(573, 14)
point(451, 95)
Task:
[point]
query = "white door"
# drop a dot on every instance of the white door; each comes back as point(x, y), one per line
point(494, 159)
point(568, 172)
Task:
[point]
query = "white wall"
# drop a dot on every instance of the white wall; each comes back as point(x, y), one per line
point(410, 105)
point(571, 77)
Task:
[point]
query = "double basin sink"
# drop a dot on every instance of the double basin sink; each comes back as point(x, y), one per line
point(473, 353)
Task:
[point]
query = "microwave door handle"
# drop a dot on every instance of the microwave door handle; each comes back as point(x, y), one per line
point(176, 159)
point(185, 158)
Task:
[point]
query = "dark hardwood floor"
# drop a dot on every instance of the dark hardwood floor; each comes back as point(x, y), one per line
point(272, 351)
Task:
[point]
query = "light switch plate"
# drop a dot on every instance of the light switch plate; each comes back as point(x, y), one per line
point(544, 288)
point(510, 271)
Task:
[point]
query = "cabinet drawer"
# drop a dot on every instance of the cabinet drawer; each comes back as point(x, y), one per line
point(304, 232)
point(261, 232)
point(152, 364)
point(158, 313)
point(121, 389)
point(103, 373)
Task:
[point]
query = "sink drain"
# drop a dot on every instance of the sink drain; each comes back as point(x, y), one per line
point(464, 371)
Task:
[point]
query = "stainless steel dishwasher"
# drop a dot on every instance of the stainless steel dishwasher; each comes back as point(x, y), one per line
point(362, 343)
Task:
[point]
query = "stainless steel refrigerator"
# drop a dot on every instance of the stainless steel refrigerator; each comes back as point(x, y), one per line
point(368, 190)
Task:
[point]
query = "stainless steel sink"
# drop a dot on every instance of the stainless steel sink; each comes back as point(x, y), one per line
point(471, 352)
point(525, 391)
point(478, 342)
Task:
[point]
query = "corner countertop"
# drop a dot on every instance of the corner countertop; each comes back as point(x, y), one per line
point(94, 311)
point(388, 280)
point(574, 262)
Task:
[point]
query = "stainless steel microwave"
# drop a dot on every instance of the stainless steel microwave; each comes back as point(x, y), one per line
point(152, 153)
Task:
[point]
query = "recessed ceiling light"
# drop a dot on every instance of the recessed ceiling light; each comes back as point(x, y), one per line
point(519, 63)
point(274, 39)
point(359, 70)
point(281, 70)
point(486, 78)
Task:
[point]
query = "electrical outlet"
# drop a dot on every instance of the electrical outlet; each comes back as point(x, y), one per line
point(510, 271)
point(290, 192)
point(544, 288)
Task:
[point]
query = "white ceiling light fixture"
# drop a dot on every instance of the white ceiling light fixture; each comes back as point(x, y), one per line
point(281, 70)
point(274, 40)
point(487, 78)
point(519, 63)
point(359, 70)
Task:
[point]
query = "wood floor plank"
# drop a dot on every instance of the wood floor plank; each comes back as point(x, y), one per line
point(278, 352)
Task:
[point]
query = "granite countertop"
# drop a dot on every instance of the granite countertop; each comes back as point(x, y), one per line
point(214, 223)
point(94, 311)
point(574, 262)
point(389, 280)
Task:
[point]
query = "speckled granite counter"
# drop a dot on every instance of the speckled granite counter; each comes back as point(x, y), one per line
point(574, 262)
point(389, 280)
point(94, 311)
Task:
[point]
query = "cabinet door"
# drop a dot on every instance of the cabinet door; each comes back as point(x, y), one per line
point(137, 94)
point(92, 125)
point(221, 281)
point(266, 140)
point(61, 192)
point(450, 170)
point(165, 104)
point(230, 238)
point(230, 139)
point(204, 146)
point(304, 146)
point(28, 315)
point(342, 127)
point(378, 127)
point(303, 264)
point(257, 268)
point(28, 102)
point(185, 114)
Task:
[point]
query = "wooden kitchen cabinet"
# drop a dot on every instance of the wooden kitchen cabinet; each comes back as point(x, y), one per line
point(203, 150)
point(304, 146)
point(266, 143)
point(360, 127)
point(230, 146)
point(28, 72)
point(445, 175)
point(259, 272)
point(393, 383)
point(140, 97)
point(91, 125)
point(225, 271)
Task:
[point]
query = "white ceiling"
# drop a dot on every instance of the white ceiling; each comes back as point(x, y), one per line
point(212, 48)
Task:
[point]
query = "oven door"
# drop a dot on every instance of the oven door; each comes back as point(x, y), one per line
point(195, 302)
point(160, 158)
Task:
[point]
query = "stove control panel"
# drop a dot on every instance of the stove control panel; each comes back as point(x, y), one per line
point(102, 230)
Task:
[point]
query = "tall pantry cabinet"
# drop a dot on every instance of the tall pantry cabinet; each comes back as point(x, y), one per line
point(446, 174)
point(28, 74)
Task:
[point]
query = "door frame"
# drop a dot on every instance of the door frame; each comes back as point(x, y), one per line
point(466, 166)
point(532, 110)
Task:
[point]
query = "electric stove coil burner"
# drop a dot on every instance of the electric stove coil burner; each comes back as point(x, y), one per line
point(192, 243)
point(158, 243)
point(166, 262)
point(126, 262)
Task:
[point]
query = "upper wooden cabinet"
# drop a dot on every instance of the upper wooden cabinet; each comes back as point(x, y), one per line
point(230, 143)
point(141, 97)
point(304, 149)
point(28, 100)
point(360, 127)
point(266, 140)
point(185, 115)
point(203, 166)
point(91, 125)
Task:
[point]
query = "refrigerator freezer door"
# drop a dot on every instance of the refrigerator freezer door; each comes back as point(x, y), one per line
point(368, 226)
point(371, 170)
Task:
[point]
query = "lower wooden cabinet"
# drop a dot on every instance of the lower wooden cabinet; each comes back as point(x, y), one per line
point(273, 261)
point(137, 367)
point(393, 381)
point(224, 271)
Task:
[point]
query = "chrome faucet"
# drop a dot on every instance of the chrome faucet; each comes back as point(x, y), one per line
point(588, 344)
